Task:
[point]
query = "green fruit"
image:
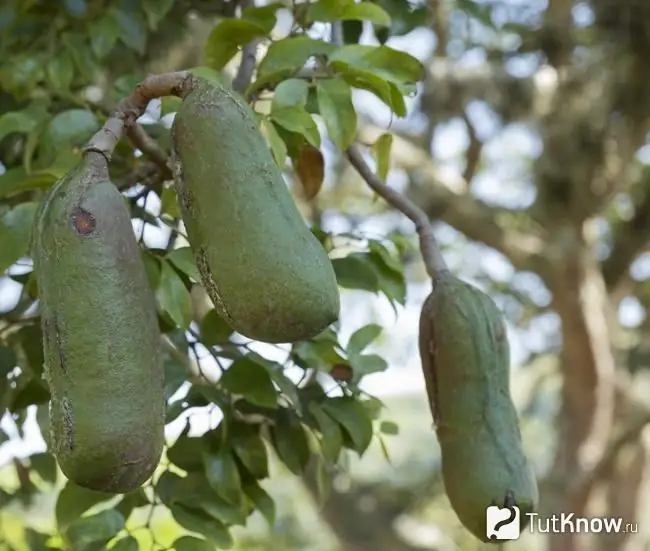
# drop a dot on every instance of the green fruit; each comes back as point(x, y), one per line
point(466, 362)
point(265, 272)
point(100, 334)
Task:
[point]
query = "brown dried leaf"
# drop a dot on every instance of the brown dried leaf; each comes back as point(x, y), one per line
point(310, 168)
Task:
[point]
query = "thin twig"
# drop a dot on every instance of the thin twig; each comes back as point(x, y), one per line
point(150, 149)
point(429, 248)
point(132, 107)
point(248, 58)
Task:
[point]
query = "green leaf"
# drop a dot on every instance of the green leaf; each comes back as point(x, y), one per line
point(34, 392)
point(131, 501)
point(190, 543)
point(386, 91)
point(290, 441)
point(290, 55)
point(336, 108)
point(296, 119)
point(366, 364)
point(354, 419)
point(74, 127)
point(78, 47)
point(381, 150)
point(173, 297)
point(251, 380)
point(103, 33)
point(250, 449)
point(169, 202)
point(15, 233)
point(278, 147)
point(361, 338)
point(222, 474)
point(380, 254)
point(226, 38)
point(383, 61)
point(262, 501)
point(183, 259)
point(347, 10)
point(389, 428)
point(101, 527)
point(156, 11)
point(16, 180)
point(367, 11)
point(73, 501)
point(214, 329)
point(390, 281)
point(186, 452)
point(331, 437)
point(129, 543)
point(290, 93)
point(45, 465)
point(60, 71)
point(201, 523)
point(208, 73)
point(132, 31)
point(17, 121)
point(355, 271)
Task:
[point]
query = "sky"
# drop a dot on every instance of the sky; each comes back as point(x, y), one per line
point(505, 182)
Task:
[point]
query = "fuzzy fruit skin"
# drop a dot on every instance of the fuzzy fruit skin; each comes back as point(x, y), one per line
point(265, 272)
point(466, 362)
point(100, 334)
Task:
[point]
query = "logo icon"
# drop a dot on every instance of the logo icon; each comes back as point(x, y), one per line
point(502, 522)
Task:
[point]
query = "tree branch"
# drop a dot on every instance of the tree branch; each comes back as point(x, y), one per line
point(429, 248)
point(150, 149)
point(248, 59)
point(132, 107)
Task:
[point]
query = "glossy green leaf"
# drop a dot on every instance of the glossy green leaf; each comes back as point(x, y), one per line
point(201, 523)
point(183, 259)
point(290, 441)
point(186, 452)
point(278, 147)
point(262, 501)
point(129, 543)
point(15, 233)
point(250, 449)
point(252, 381)
point(336, 108)
point(73, 501)
point(227, 37)
point(222, 474)
point(190, 543)
point(367, 11)
point(74, 127)
point(331, 437)
point(17, 121)
point(354, 419)
point(16, 180)
point(355, 271)
point(383, 61)
point(45, 465)
point(214, 329)
point(173, 297)
point(289, 55)
point(384, 90)
point(381, 150)
point(365, 364)
point(296, 119)
point(292, 92)
point(101, 527)
point(362, 338)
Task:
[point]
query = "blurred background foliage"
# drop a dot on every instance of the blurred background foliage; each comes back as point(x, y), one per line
point(522, 132)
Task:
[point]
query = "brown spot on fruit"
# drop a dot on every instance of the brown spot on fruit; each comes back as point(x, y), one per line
point(82, 221)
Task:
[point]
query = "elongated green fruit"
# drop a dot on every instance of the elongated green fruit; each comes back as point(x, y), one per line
point(466, 362)
point(266, 273)
point(100, 334)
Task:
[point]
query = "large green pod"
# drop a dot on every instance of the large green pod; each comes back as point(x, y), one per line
point(266, 273)
point(466, 364)
point(101, 336)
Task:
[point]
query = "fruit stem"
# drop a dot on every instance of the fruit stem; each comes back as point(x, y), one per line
point(433, 260)
point(133, 106)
